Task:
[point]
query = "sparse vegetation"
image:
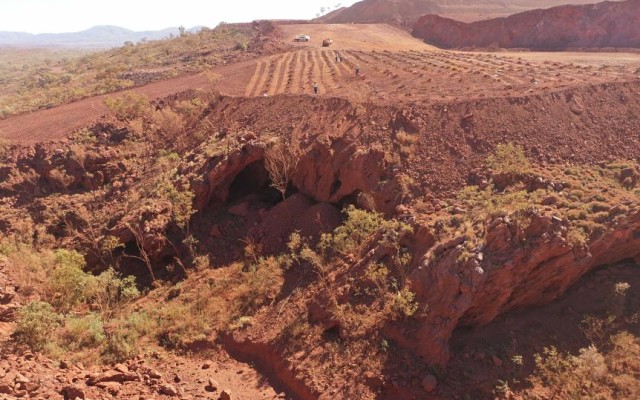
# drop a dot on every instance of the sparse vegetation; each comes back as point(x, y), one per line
point(128, 106)
point(35, 323)
point(508, 159)
point(50, 78)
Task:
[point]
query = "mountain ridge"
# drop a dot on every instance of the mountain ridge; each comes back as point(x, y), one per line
point(99, 36)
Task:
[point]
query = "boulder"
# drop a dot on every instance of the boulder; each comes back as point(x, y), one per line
point(168, 390)
point(72, 393)
point(212, 385)
point(429, 383)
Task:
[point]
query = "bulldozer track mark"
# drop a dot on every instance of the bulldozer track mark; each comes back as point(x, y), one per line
point(257, 73)
point(328, 70)
point(285, 74)
point(334, 64)
point(271, 75)
point(276, 76)
point(305, 73)
point(262, 78)
point(292, 75)
point(326, 61)
point(343, 66)
point(316, 69)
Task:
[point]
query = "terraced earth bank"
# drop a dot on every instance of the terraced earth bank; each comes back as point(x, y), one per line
point(425, 203)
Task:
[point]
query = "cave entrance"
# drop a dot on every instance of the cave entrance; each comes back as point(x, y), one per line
point(254, 180)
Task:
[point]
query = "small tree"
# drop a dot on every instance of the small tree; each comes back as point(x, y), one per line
point(139, 236)
point(281, 160)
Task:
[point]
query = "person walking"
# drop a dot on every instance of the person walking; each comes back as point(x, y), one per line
point(357, 69)
point(315, 87)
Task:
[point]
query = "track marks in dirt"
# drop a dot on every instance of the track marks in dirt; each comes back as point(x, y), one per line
point(436, 74)
point(258, 72)
point(284, 77)
point(292, 72)
point(276, 75)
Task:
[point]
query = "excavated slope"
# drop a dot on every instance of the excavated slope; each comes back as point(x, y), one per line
point(408, 11)
point(607, 24)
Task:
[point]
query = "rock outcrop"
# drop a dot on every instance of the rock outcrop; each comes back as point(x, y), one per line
point(602, 25)
point(513, 266)
point(408, 11)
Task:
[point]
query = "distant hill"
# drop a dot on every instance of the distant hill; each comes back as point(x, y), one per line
point(607, 24)
point(408, 11)
point(104, 36)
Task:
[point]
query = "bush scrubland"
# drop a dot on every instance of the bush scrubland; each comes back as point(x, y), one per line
point(358, 273)
point(35, 79)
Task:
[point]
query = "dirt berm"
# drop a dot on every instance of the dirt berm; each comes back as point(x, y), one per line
point(445, 140)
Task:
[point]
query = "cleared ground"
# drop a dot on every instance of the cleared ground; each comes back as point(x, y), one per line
point(395, 68)
point(355, 37)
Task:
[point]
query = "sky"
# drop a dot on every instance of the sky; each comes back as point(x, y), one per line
point(56, 16)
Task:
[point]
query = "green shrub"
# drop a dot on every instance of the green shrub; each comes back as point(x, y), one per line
point(403, 304)
point(261, 284)
point(575, 215)
point(241, 323)
point(577, 237)
point(83, 332)
point(120, 346)
point(358, 227)
point(570, 377)
point(35, 323)
point(552, 365)
point(66, 287)
point(508, 159)
point(129, 106)
point(456, 220)
point(180, 324)
point(69, 286)
point(108, 289)
point(598, 206)
point(242, 46)
point(140, 322)
point(72, 258)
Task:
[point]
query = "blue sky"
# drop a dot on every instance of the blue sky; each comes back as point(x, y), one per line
point(55, 16)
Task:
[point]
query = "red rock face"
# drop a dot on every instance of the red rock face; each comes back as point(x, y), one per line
point(409, 11)
point(382, 11)
point(607, 24)
point(502, 274)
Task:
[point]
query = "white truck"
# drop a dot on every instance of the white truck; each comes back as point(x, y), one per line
point(302, 38)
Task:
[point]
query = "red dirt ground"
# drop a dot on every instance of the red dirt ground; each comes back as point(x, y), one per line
point(188, 375)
